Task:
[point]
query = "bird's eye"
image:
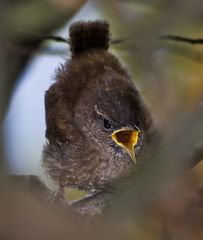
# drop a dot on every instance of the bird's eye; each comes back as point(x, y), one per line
point(107, 124)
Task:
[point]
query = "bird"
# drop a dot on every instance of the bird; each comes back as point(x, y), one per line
point(98, 126)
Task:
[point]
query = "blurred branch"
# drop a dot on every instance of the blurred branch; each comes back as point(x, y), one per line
point(32, 16)
point(181, 39)
point(169, 160)
point(15, 15)
point(183, 131)
point(93, 203)
point(159, 18)
point(25, 15)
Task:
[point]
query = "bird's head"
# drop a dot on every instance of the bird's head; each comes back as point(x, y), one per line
point(97, 123)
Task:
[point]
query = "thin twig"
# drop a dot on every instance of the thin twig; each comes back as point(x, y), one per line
point(43, 37)
point(92, 203)
point(193, 41)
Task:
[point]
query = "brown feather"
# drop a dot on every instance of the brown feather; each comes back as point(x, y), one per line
point(80, 152)
point(85, 36)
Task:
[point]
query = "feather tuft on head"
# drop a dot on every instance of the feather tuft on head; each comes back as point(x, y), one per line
point(85, 36)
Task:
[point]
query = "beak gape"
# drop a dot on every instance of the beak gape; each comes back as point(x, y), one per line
point(127, 139)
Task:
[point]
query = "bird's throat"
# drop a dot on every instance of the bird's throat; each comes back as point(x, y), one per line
point(127, 139)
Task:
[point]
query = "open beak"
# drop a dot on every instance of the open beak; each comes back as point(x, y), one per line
point(127, 139)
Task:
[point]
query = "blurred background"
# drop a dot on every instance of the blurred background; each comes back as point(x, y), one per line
point(168, 73)
point(155, 63)
point(24, 124)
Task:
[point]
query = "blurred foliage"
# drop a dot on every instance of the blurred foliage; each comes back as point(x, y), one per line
point(160, 67)
point(170, 77)
point(165, 200)
point(19, 20)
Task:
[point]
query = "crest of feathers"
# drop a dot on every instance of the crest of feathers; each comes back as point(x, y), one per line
point(85, 36)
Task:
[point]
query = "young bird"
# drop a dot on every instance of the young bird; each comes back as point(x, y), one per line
point(98, 126)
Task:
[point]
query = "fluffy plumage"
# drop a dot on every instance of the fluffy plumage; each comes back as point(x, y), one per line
point(90, 87)
point(89, 35)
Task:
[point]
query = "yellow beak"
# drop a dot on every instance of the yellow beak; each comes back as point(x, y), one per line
point(127, 139)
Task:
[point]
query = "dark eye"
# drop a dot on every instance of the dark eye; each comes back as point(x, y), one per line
point(107, 124)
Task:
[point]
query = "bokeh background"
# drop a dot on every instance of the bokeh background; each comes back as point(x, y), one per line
point(24, 124)
point(176, 65)
point(169, 75)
